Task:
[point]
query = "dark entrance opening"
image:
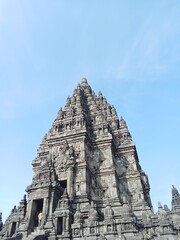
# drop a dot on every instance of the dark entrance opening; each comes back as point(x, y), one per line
point(63, 183)
point(37, 208)
point(59, 226)
point(13, 228)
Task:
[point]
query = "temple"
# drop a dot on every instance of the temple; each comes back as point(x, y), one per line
point(88, 182)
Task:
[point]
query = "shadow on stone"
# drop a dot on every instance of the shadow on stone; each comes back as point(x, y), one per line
point(41, 237)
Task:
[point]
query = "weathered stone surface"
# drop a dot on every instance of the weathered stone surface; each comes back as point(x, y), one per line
point(88, 182)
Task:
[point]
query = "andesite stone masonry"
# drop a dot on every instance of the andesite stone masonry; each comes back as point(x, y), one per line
point(88, 182)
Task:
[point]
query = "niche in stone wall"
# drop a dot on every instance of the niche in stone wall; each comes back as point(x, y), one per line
point(13, 228)
point(63, 183)
point(59, 225)
point(37, 207)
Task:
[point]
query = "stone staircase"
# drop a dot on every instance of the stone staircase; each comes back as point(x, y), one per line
point(37, 234)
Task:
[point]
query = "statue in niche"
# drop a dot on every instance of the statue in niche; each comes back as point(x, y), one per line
point(92, 230)
point(40, 218)
point(76, 231)
point(108, 228)
point(71, 151)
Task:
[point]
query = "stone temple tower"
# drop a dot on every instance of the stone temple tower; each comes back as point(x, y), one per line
point(88, 182)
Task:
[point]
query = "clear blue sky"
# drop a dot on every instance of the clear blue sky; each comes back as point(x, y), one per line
point(130, 50)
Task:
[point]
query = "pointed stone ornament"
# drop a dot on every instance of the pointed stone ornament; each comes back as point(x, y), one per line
point(175, 204)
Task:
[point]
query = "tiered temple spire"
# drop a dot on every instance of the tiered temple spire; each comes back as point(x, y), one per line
point(88, 182)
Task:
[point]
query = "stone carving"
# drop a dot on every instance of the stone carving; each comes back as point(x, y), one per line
point(40, 218)
point(78, 217)
point(88, 183)
point(122, 165)
point(92, 214)
point(62, 155)
point(108, 211)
